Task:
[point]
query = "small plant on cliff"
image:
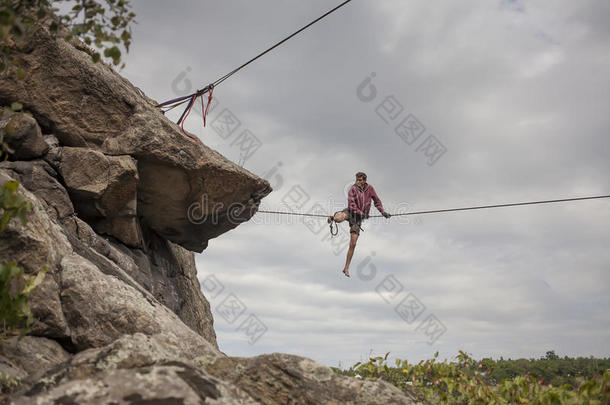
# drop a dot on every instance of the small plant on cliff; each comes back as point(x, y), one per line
point(7, 383)
point(12, 204)
point(15, 287)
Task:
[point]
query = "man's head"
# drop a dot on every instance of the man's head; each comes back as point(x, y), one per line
point(360, 178)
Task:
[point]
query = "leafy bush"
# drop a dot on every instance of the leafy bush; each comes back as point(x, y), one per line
point(7, 383)
point(15, 287)
point(12, 204)
point(467, 381)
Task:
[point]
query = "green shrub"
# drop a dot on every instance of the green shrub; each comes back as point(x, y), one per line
point(7, 383)
point(12, 204)
point(15, 287)
point(467, 381)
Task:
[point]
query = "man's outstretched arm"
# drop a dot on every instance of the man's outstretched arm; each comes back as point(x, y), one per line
point(378, 204)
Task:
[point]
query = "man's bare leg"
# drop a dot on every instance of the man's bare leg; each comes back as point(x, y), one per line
point(340, 216)
point(350, 252)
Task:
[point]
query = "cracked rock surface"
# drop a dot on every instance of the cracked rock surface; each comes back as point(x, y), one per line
point(120, 316)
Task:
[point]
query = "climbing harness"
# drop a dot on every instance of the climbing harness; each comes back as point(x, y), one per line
point(171, 104)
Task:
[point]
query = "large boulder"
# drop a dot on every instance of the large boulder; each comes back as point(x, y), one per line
point(103, 189)
point(175, 383)
point(169, 272)
point(100, 308)
point(279, 378)
point(154, 369)
point(91, 295)
point(42, 180)
point(134, 369)
point(23, 136)
point(30, 356)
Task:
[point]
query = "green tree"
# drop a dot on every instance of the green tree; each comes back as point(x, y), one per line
point(104, 25)
point(550, 355)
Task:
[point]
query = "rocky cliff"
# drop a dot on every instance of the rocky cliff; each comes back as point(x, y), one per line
point(120, 315)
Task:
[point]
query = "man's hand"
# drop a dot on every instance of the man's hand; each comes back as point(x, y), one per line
point(386, 215)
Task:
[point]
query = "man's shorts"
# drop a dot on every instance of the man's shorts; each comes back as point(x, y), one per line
point(355, 221)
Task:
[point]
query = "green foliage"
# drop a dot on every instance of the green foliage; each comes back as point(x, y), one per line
point(12, 204)
point(104, 25)
point(550, 369)
point(467, 381)
point(15, 287)
point(7, 383)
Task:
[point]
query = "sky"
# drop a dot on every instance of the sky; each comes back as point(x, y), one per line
point(443, 105)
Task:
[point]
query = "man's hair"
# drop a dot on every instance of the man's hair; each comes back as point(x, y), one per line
point(361, 174)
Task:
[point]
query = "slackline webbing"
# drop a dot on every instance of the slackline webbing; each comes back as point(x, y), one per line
point(453, 209)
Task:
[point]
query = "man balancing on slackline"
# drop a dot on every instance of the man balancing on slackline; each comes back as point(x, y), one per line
point(358, 206)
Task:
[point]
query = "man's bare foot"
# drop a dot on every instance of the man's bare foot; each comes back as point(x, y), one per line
point(346, 272)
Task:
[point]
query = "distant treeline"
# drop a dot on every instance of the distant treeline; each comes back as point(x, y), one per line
point(551, 369)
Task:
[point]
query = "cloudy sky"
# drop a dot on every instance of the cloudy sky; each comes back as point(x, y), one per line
point(442, 104)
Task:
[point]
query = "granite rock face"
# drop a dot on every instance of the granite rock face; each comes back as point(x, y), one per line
point(134, 369)
point(104, 191)
point(91, 294)
point(88, 106)
point(120, 200)
point(287, 379)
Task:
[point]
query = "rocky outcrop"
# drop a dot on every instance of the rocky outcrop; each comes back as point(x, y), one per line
point(87, 105)
point(281, 378)
point(150, 369)
point(94, 292)
point(134, 369)
point(120, 316)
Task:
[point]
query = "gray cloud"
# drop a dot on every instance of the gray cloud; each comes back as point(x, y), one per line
point(517, 94)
